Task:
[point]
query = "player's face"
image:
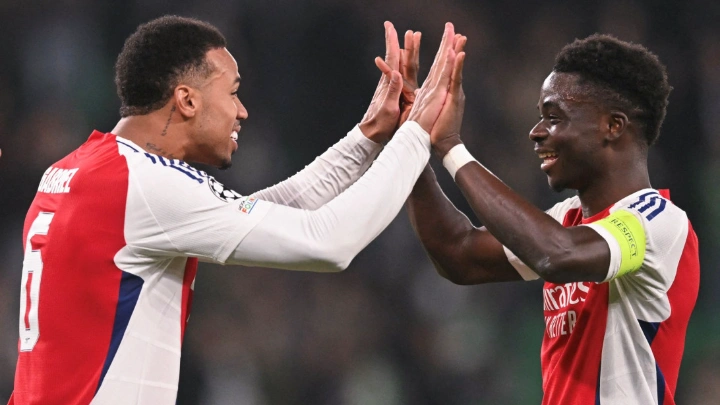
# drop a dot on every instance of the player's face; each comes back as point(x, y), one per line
point(222, 112)
point(569, 136)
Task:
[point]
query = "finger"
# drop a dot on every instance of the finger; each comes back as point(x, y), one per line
point(439, 62)
point(394, 89)
point(417, 36)
point(447, 70)
point(456, 80)
point(460, 43)
point(411, 57)
point(392, 46)
point(383, 66)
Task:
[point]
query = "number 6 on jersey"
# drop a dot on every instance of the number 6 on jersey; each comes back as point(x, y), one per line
point(30, 291)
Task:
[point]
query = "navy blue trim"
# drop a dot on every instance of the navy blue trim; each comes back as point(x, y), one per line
point(658, 210)
point(129, 146)
point(178, 165)
point(649, 204)
point(642, 198)
point(130, 287)
point(660, 385)
point(649, 329)
point(597, 387)
point(187, 173)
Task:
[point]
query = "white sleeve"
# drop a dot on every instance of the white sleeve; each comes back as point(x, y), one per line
point(326, 177)
point(328, 238)
point(175, 210)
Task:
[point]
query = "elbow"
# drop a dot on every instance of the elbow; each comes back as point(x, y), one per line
point(557, 269)
point(451, 272)
point(329, 259)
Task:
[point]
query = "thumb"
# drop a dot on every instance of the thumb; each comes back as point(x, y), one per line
point(395, 87)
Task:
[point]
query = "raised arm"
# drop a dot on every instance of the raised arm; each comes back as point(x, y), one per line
point(329, 238)
point(343, 164)
point(555, 253)
point(460, 252)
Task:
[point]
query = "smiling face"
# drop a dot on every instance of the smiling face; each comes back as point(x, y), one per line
point(218, 119)
point(570, 136)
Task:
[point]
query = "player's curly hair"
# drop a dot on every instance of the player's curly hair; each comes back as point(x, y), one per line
point(627, 76)
point(157, 56)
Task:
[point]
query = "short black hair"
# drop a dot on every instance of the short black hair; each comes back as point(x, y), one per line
point(157, 56)
point(636, 78)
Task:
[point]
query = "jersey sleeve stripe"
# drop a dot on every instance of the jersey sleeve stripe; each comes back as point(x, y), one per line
point(128, 145)
point(130, 287)
point(642, 198)
point(658, 210)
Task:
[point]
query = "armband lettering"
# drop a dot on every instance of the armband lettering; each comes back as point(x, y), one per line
point(630, 235)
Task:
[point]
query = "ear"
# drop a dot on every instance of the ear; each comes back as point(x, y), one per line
point(187, 100)
point(617, 125)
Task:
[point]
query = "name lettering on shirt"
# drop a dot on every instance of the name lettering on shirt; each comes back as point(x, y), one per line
point(56, 180)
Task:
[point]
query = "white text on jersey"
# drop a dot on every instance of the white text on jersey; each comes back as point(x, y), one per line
point(56, 180)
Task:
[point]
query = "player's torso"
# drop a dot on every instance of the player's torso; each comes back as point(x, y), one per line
point(95, 320)
point(604, 343)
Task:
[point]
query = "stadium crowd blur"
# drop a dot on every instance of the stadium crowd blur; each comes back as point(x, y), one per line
point(388, 330)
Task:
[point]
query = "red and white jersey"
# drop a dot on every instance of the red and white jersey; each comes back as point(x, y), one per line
point(114, 234)
point(114, 272)
point(621, 341)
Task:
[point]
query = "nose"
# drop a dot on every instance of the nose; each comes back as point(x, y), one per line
point(242, 113)
point(538, 133)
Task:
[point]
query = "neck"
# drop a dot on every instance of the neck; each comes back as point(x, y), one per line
point(157, 132)
point(615, 185)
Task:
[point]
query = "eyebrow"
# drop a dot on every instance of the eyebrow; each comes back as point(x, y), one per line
point(237, 80)
point(549, 104)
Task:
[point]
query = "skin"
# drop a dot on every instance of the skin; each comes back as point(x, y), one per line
point(598, 154)
point(196, 123)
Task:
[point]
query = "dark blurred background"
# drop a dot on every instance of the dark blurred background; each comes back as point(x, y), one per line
point(388, 330)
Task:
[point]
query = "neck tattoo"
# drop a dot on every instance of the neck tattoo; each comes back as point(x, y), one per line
point(158, 150)
point(167, 124)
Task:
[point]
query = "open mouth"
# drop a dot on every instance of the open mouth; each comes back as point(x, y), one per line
point(548, 159)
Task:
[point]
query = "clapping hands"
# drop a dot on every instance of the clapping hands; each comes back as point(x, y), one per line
point(438, 106)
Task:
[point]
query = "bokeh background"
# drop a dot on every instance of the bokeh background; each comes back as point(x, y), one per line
point(388, 330)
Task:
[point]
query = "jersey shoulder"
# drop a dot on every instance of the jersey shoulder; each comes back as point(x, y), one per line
point(155, 174)
point(560, 210)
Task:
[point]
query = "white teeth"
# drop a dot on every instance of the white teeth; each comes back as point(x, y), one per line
point(234, 136)
point(546, 155)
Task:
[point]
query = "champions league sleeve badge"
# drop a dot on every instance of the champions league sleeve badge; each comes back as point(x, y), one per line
point(220, 191)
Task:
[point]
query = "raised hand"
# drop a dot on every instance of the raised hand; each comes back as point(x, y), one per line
point(381, 119)
point(409, 66)
point(446, 132)
point(430, 98)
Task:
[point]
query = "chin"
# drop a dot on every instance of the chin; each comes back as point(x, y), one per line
point(225, 165)
point(556, 186)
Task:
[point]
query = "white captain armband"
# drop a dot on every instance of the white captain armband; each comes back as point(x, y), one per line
point(456, 158)
point(625, 235)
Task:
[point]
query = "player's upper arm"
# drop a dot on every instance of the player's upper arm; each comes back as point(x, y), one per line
point(175, 210)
